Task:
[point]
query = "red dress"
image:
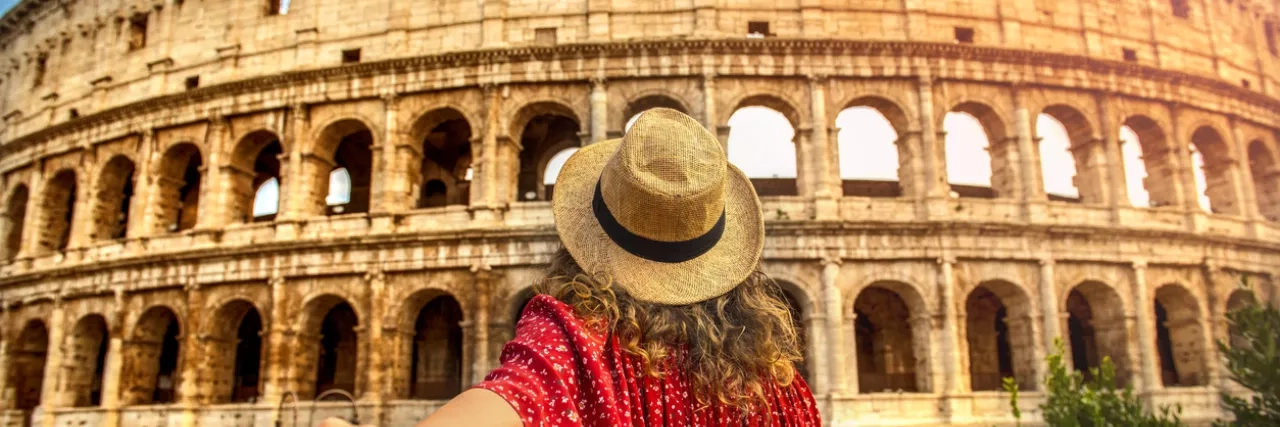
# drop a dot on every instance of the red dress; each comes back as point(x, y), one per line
point(557, 372)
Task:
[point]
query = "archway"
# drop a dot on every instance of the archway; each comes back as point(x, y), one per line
point(235, 353)
point(150, 370)
point(58, 211)
point(85, 356)
point(446, 169)
point(255, 177)
point(978, 153)
point(1212, 163)
point(889, 339)
point(1096, 329)
point(435, 370)
point(999, 335)
point(1135, 172)
point(333, 347)
point(648, 102)
point(762, 144)
point(27, 358)
point(550, 129)
point(115, 194)
point(551, 171)
point(1240, 298)
point(1070, 161)
point(869, 161)
point(1179, 338)
point(349, 144)
point(15, 221)
point(1266, 177)
point(1160, 179)
point(798, 317)
point(178, 188)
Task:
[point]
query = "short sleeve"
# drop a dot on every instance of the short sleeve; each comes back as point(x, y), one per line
point(538, 372)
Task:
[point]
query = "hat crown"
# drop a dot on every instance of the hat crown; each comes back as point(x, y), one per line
point(666, 181)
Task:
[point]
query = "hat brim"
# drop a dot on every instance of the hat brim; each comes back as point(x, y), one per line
point(710, 275)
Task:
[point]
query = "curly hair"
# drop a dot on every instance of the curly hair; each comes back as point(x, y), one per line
point(729, 345)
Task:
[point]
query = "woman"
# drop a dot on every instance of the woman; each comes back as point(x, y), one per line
point(655, 313)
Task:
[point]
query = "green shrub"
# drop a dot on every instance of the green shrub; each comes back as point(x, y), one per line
point(1254, 363)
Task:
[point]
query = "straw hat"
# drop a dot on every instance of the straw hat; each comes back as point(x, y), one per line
point(661, 211)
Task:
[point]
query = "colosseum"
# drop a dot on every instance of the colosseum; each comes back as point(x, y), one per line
point(229, 212)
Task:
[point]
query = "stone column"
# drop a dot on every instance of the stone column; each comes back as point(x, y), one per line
point(1215, 325)
point(488, 164)
point(709, 118)
point(293, 185)
point(27, 247)
point(1149, 380)
point(7, 397)
point(599, 111)
point(53, 362)
point(1116, 182)
point(193, 362)
point(1180, 161)
point(949, 348)
point(114, 362)
point(375, 369)
point(1027, 167)
point(481, 362)
point(275, 382)
point(825, 185)
point(832, 306)
point(819, 363)
point(1049, 304)
point(1244, 188)
point(214, 193)
point(390, 180)
point(848, 322)
point(933, 169)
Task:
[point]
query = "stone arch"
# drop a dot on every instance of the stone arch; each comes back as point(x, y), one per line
point(891, 338)
point(329, 346)
point(1096, 328)
point(27, 357)
point(1084, 154)
point(15, 221)
point(1180, 341)
point(801, 307)
point(544, 128)
point(57, 212)
point(151, 355)
point(1161, 181)
point(178, 184)
point(255, 160)
point(234, 352)
point(1240, 298)
point(1266, 179)
point(344, 147)
point(435, 370)
point(445, 171)
point(1219, 186)
point(746, 145)
point(999, 335)
point(895, 154)
point(649, 100)
point(115, 194)
point(519, 300)
point(1000, 151)
point(85, 356)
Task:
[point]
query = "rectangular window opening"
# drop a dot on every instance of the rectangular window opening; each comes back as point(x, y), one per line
point(545, 36)
point(1269, 30)
point(73, 114)
point(138, 32)
point(1130, 55)
point(1181, 8)
point(1246, 83)
point(191, 82)
point(758, 29)
point(42, 63)
point(964, 35)
point(277, 7)
point(351, 56)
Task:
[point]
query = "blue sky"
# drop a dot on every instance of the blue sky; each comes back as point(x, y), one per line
point(5, 5)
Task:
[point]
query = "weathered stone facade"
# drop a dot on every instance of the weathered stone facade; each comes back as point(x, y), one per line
point(139, 287)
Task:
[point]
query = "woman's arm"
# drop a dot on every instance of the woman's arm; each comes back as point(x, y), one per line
point(473, 408)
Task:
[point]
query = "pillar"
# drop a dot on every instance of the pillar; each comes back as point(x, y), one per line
point(53, 362)
point(481, 362)
point(293, 185)
point(848, 322)
point(1240, 173)
point(599, 111)
point(709, 118)
point(489, 163)
point(375, 369)
point(934, 167)
point(1049, 303)
point(1149, 379)
point(275, 382)
point(1180, 161)
point(949, 351)
point(113, 363)
point(818, 153)
point(819, 360)
point(832, 306)
point(7, 396)
point(215, 194)
point(27, 247)
point(193, 362)
point(1116, 183)
point(390, 187)
point(1026, 169)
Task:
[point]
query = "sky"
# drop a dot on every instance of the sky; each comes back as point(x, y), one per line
point(5, 5)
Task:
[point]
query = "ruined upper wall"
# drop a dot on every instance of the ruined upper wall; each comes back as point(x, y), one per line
point(63, 59)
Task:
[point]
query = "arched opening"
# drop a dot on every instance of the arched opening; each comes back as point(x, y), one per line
point(1096, 329)
point(521, 301)
point(551, 129)
point(59, 207)
point(552, 170)
point(1240, 298)
point(255, 177)
point(349, 143)
point(85, 363)
point(1161, 178)
point(762, 144)
point(1212, 162)
point(978, 154)
point(998, 332)
point(435, 372)
point(115, 193)
point(446, 159)
point(15, 221)
point(178, 187)
point(649, 102)
point(1135, 172)
point(235, 353)
point(868, 158)
point(1070, 159)
point(336, 350)
point(890, 335)
point(1262, 167)
point(27, 358)
point(1179, 338)
point(798, 316)
point(150, 371)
